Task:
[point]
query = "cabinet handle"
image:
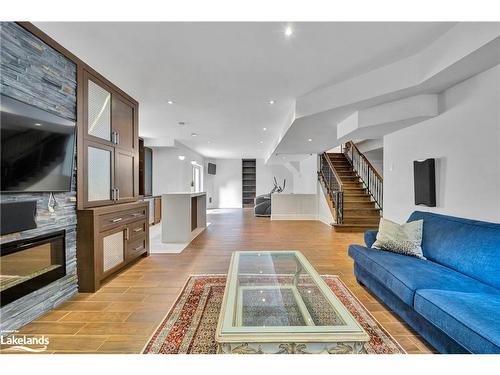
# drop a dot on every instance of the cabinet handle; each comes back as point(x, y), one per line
point(117, 194)
point(112, 194)
point(117, 138)
point(138, 248)
point(138, 230)
point(127, 234)
point(135, 214)
point(117, 220)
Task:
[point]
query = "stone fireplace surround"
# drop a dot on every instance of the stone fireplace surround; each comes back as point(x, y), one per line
point(36, 74)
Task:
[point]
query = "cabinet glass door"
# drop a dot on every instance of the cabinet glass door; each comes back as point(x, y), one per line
point(98, 111)
point(99, 174)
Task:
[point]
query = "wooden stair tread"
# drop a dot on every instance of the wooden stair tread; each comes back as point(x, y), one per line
point(362, 209)
point(360, 212)
point(353, 227)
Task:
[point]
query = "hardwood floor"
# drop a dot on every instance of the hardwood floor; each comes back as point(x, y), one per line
point(121, 316)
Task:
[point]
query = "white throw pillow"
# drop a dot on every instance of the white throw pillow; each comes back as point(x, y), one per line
point(403, 239)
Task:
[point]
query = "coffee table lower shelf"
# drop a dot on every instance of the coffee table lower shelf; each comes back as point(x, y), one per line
point(354, 347)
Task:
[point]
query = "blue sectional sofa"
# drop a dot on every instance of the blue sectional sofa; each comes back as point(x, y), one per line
point(452, 299)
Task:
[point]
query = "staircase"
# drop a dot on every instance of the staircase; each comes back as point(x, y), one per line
point(354, 189)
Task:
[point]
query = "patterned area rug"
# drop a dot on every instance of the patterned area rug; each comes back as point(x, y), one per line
point(189, 327)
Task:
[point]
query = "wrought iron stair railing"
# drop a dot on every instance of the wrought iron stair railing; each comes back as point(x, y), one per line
point(331, 181)
point(372, 180)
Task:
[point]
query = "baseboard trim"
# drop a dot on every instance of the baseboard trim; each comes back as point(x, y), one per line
point(325, 220)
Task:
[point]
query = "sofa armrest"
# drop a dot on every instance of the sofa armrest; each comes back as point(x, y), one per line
point(370, 237)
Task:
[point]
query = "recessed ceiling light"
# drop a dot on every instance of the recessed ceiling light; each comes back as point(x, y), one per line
point(261, 141)
point(193, 162)
point(310, 140)
point(271, 102)
point(181, 157)
point(288, 31)
point(38, 124)
point(264, 129)
point(194, 134)
point(170, 102)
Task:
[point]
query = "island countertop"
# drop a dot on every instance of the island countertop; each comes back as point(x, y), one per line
point(191, 194)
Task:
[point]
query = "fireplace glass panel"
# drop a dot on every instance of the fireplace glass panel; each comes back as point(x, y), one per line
point(28, 265)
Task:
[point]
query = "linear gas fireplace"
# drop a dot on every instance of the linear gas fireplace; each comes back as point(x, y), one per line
point(30, 264)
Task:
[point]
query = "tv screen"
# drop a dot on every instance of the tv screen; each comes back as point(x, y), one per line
point(37, 148)
point(211, 168)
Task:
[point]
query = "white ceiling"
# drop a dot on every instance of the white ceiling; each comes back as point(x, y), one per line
point(222, 75)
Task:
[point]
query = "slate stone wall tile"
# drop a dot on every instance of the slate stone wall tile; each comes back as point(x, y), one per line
point(35, 73)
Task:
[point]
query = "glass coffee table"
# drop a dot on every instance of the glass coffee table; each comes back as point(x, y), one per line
point(275, 302)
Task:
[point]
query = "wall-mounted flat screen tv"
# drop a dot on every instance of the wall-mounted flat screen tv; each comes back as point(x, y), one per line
point(211, 168)
point(37, 148)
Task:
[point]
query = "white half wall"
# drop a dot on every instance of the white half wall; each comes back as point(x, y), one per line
point(294, 207)
point(465, 141)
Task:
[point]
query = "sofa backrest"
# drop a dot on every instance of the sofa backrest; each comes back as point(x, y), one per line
point(467, 246)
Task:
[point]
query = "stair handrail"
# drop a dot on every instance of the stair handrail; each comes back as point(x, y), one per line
point(334, 187)
point(372, 180)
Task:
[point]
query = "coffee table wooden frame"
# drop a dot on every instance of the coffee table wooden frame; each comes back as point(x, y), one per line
point(234, 338)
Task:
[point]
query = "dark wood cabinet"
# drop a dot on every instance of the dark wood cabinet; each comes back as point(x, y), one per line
point(108, 143)
point(123, 119)
point(109, 238)
point(125, 177)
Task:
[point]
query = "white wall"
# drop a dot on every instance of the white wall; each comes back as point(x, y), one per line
point(376, 158)
point(301, 176)
point(224, 188)
point(171, 174)
point(324, 212)
point(465, 140)
point(265, 174)
point(305, 175)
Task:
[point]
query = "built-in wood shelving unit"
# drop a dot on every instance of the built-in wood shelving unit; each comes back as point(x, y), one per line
point(248, 181)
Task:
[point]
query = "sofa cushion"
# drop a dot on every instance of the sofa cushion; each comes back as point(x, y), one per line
point(403, 275)
point(370, 237)
point(467, 246)
point(471, 319)
point(403, 239)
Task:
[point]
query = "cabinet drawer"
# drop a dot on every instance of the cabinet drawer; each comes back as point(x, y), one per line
point(136, 247)
point(115, 219)
point(137, 229)
point(137, 214)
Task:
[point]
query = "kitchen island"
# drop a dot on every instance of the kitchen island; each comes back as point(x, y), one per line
point(184, 216)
